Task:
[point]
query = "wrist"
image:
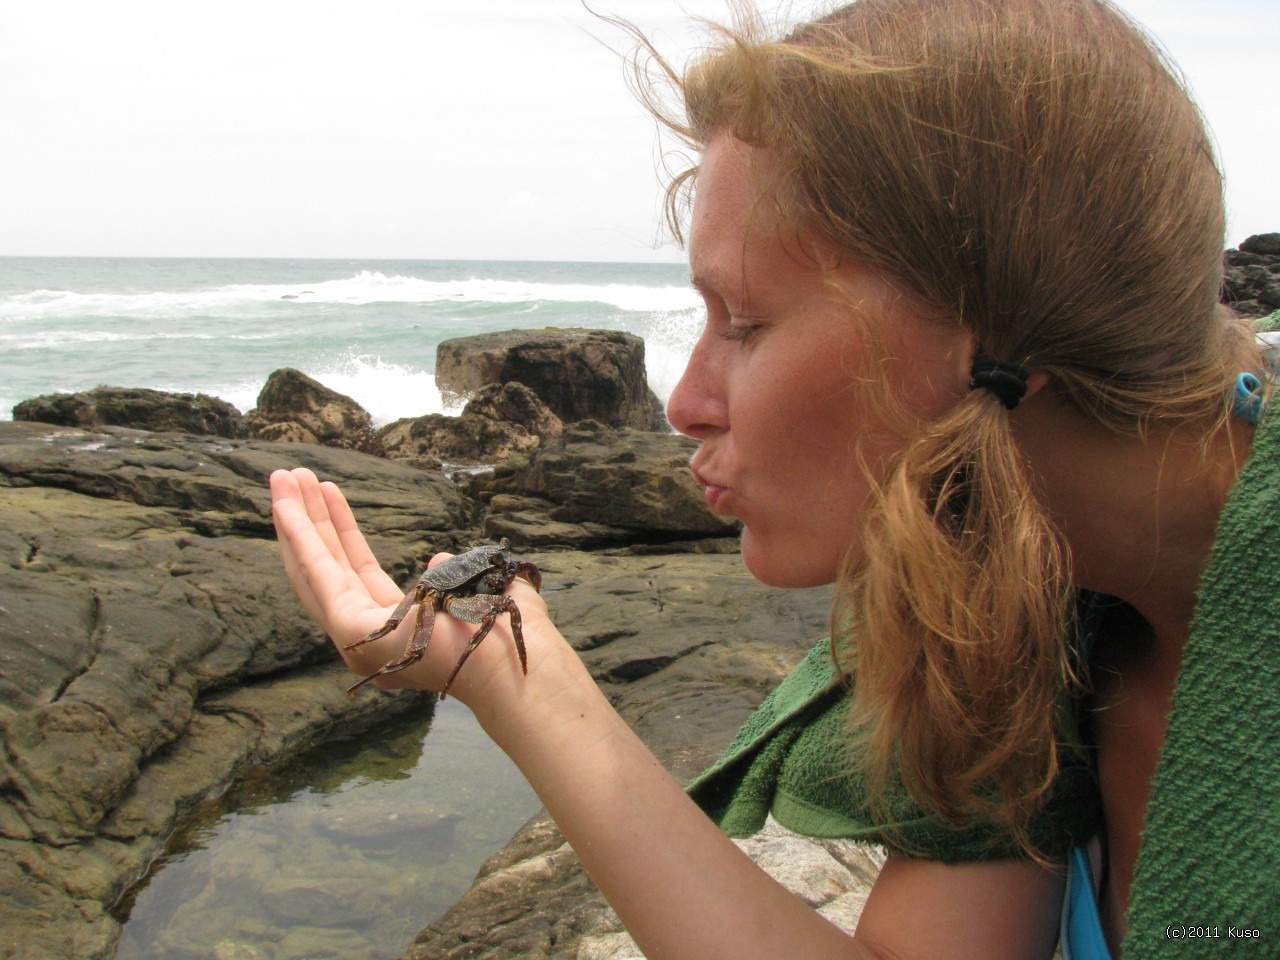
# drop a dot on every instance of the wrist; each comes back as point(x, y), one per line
point(493, 685)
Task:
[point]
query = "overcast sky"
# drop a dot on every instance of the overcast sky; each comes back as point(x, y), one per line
point(469, 129)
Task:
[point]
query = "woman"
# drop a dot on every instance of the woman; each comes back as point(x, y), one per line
point(962, 357)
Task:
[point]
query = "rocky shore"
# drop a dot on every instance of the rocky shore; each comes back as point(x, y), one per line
point(151, 649)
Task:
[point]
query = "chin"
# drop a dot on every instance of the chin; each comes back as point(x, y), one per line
point(783, 567)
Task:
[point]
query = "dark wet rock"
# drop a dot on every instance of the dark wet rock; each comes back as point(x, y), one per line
point(500, 421)
point(515, 404)
point(1262, 243)
point(219, 486)
point(579, 374)
point(1251, 276)
point(150, 647)
point(138, 408)
point(595, 487)
point(294, 408)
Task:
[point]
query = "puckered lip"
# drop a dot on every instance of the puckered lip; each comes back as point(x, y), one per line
point(702, 479)
point(714, 492)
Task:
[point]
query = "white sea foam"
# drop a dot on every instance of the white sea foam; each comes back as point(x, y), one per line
point(55, 304)
point(44, 339)
point(371, 286)
point(388, 391)
point(365, 287)
point(668, 341)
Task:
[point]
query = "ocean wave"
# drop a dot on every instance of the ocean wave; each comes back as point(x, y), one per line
point(365, 287)
point(375, 287)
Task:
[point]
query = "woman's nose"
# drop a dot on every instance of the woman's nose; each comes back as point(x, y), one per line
point(698, 406)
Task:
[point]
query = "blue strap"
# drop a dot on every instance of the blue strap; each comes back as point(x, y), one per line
point(1082, 937)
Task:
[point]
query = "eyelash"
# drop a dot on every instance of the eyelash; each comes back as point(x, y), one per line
point(739, 333)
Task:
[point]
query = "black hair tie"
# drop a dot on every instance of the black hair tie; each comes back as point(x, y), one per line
point(1007, 381)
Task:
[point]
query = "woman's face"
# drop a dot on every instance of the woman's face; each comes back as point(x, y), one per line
point(776, 389)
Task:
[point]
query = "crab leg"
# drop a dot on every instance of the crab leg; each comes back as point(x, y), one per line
point(529, 573)
point(417, 594)
point(484, 611)
point(423, 626)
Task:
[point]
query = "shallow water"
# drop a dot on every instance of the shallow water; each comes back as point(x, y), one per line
point(348, 850)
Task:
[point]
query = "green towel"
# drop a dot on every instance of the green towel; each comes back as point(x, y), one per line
point(787, 760)
point(1210, 853)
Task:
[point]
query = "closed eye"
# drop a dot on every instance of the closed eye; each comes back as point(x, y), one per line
point(737, 331)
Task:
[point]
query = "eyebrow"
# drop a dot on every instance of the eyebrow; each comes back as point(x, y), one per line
point(706, 286)
point(705, 283)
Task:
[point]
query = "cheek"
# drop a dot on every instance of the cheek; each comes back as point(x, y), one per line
point(801, 538)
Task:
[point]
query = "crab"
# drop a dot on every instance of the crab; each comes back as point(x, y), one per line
point(470, 587)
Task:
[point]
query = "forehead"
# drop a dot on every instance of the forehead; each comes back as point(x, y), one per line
point(736, 230)
point(725, 194)
point(744, 243)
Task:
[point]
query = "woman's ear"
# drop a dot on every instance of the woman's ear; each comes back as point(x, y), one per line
point(1037, 380)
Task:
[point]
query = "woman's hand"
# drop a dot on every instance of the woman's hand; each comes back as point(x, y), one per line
point(343, 588)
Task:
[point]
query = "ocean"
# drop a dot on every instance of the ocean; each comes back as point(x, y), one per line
point(366, 328)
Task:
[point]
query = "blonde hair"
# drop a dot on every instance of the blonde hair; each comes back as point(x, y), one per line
point(1035, 171)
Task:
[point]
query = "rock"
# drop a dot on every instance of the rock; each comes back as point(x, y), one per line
point(219, 486)
point(833, 877)
point(1251, 276)
point(500, 421)
point(293, 408)
point(138, 408)
point(596, 486)
point(516, 404)
point(150, 647)
point(579, 374)
point(1264, 243)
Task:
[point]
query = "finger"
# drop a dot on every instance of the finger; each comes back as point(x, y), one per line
point(318, 509)
point(301, 487)
point(289, 515)
point(327, 588)
point(284, 487)
point(365, 565)
point(522, 591)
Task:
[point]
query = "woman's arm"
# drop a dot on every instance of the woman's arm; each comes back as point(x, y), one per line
point(681, 887)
